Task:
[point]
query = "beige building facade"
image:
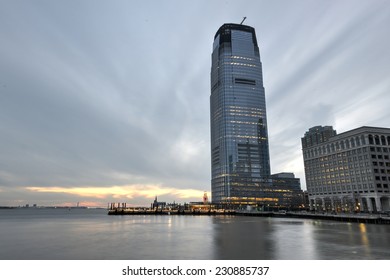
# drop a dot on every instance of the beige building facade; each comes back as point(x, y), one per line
point(347, 172)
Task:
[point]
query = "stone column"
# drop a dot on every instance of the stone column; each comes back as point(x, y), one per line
point(342, 207)
point(369, 204)
point(323, 204)
point(332, 203)
point(378, 204)
point(360, 200)
point(387, 204)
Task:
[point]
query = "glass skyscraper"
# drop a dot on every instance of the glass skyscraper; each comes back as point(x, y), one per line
point(240, 162)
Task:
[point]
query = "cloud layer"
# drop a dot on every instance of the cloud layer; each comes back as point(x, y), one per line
point(112, 97)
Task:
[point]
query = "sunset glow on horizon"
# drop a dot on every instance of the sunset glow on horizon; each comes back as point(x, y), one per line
point(131, 194)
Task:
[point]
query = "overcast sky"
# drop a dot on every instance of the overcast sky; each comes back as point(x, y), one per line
point(108, 101)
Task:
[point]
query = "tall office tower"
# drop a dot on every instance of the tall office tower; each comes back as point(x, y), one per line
point(239, 139)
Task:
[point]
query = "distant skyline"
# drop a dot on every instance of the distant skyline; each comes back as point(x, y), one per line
point(108, 101)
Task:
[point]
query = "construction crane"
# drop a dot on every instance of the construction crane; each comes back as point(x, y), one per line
point(243, 20)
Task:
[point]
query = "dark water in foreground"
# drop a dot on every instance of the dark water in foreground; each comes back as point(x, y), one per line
point(90, 234)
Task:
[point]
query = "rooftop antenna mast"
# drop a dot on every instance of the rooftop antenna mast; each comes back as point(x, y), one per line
point(243, 20)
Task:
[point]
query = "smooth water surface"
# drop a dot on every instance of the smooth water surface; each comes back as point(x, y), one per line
point(80, 234)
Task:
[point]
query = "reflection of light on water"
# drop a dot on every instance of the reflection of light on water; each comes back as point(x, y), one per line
point(292, 235)
point(363, 232)
point(362, 228)
point(224, 219)
point(308, 242)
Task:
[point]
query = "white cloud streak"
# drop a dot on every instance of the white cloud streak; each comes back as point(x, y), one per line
point(117, 94)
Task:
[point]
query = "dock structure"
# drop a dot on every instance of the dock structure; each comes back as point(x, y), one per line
point(163, 208)
point(206, 208)
point(341, 217)
point(147, 211)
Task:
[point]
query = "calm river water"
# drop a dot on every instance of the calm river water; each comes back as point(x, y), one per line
point(90, 234)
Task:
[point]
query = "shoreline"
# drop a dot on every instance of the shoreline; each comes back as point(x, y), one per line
point(354, 218)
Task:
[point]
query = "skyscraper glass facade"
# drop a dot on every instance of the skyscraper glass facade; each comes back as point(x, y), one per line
point(239, 137)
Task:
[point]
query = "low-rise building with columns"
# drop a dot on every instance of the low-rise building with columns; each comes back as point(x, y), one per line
point(348, 172)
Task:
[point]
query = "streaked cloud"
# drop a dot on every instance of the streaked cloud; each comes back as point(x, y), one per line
point(115, 95)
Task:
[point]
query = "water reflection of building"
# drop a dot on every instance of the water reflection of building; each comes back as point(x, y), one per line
point(349, 171)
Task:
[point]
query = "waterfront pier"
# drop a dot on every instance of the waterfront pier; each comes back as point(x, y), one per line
point(122, 209)
point(147, 211)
